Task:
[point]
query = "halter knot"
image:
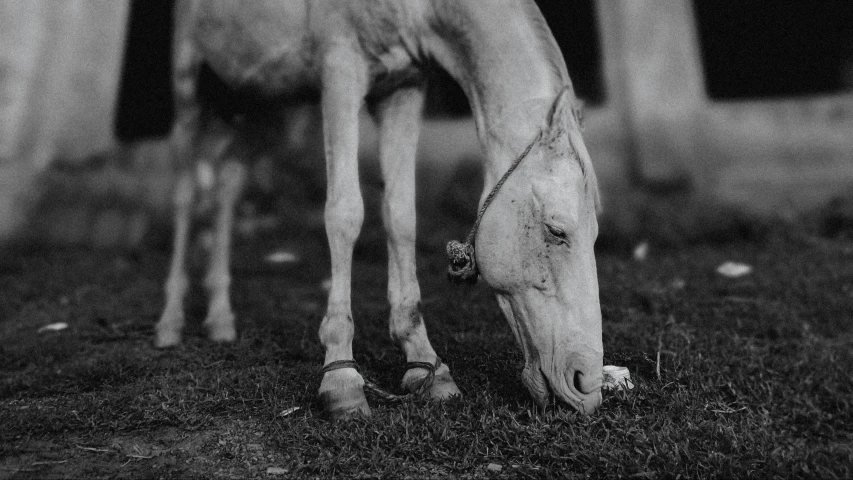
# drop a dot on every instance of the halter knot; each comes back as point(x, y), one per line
point(463, 264)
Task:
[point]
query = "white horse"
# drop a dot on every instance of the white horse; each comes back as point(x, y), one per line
point(533, 240)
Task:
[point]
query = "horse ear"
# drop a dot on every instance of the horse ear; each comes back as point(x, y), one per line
point(558, 115)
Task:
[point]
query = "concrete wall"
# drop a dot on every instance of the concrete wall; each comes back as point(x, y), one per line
point(764, 156)
point(779, 156)
point(60, 64)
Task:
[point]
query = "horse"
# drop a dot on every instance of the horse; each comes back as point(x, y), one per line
point(534, 235)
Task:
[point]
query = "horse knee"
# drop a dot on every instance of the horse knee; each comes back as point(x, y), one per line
point(344, 219)
point(232, 177)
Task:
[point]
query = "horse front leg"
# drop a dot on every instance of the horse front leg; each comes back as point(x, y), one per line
point(399, 121)
point(344, 86)
point(220, 316)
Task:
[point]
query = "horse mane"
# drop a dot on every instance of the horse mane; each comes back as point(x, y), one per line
point(452, 17)
point(553, 54)
point(557, 62)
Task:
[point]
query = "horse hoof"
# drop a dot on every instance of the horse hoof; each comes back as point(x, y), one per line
point(221, 334)
point(344, 403)
point(220, 327)
point(443, 387)
point(167, 338)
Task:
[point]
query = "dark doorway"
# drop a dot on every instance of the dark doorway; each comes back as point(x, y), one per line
point(767, 48)
point(145, 97)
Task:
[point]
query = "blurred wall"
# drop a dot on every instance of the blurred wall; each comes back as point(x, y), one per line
point(60, 62)
point(787, 153)
point(666, 117)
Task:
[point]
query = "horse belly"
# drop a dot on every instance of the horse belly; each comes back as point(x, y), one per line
point(261, 45)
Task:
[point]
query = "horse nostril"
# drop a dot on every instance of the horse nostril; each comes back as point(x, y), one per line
point(577, 381)
point(584, 383)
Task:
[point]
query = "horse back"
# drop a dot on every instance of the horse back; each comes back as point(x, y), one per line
point(276, 46)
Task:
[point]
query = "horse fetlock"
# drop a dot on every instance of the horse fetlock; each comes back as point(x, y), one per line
point(336, 332)
point(217, 282)
point(176, 286)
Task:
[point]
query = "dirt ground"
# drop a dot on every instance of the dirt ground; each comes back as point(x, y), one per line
point(735, 376)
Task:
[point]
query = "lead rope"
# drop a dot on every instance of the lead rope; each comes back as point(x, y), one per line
point(463, 262)
point(383, 394)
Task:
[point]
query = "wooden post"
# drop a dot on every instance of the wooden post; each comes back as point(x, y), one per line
point(654, 81)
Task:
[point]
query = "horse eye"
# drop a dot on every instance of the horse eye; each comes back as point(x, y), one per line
point(556, 235)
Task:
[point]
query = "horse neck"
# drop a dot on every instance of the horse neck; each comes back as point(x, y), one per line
point(510, 69)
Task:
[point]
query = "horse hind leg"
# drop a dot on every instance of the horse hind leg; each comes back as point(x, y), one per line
point(398, 116)
point(171, 323)
point(182, 140)
point(220, 316)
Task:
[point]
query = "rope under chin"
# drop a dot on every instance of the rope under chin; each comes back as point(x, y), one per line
point(463, 261)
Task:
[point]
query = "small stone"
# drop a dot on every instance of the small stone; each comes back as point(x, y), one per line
point(677, 284)
point(641, 251)
point(734, 269)
point(53, 327)
point(288, 411)
point(281, 256)
point(494, 467)
point(616, 378)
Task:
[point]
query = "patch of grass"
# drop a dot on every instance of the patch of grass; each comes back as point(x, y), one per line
point(735, 378)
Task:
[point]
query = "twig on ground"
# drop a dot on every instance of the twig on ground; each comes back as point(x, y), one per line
point(660, 347)
point(93, 449)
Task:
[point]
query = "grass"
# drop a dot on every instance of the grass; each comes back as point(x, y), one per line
point(742, 378)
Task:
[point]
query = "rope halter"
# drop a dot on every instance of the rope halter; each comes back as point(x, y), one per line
point(418, 390)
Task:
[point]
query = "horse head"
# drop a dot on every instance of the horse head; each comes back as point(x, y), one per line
point(534, 246)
